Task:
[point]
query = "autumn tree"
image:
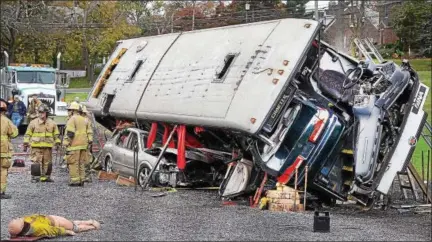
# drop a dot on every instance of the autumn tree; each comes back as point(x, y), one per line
point(18, 17)
point(410, 21)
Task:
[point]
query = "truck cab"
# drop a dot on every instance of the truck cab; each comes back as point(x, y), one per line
point(27, 79)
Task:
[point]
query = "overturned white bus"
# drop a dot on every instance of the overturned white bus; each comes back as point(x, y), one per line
point(274, 96)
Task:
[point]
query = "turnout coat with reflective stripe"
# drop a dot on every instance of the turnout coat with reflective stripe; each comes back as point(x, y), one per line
point(77, 126)
point(7, 131)
point(42, 133)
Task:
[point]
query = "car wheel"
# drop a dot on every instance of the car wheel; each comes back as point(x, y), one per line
point(143, 173)
point(108, 165)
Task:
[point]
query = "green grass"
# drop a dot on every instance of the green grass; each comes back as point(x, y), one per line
point(71, 96)
point(79, 82)
point(418, 64)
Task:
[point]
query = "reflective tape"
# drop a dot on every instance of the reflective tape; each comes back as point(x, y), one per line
point(5, 155)
point(42, 145)
point(42, 135)
point(78, 147)
point(15, 133)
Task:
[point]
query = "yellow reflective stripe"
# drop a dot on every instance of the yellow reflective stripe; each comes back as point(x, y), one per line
point(56, 132)
point(81, 132)
point(58, 140)
point(42, 144)
point(5, 155)
point(42, 135)
point(15, 133)
point(26, 139)
point(78, 147)
point(75, 179)
point(4, 137)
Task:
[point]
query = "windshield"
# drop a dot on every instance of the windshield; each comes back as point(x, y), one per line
point(38, 77)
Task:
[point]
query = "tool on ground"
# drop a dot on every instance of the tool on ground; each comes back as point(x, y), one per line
point(321, 222)
point(35, 169)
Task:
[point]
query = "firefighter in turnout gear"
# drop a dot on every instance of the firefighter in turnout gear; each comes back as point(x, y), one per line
point(33, 107)
point(70, 113)
point(8, 131)
point(76, 144)
point(89, 131)
point(42, 135)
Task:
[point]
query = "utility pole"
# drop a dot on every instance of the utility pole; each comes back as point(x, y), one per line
point(247, 7)
point(340, 43)
point(193, 14)
point(316, 10)
point(361, 22)
point(172, 22)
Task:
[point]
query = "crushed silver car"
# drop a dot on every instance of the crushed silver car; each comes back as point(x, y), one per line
point(126, 154)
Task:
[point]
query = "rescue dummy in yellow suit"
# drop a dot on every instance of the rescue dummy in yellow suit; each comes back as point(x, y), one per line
point(76, 144)
point(7, 131)
point(38, 225)
point(42, 134)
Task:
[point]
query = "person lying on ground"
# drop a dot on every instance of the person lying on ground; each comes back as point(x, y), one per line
point(38, 225)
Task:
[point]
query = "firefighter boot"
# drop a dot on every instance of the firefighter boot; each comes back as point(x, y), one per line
point(5, 196)
point(46, 179)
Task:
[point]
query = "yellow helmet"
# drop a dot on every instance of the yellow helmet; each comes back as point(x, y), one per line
point(74, 106)
point(83, 109)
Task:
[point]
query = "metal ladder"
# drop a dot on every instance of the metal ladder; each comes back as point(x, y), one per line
point(411, 173)
point(407, 186)
point(364, 45)
point(427, 134)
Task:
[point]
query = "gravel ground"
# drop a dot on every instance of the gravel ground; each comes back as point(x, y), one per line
point(193, 215)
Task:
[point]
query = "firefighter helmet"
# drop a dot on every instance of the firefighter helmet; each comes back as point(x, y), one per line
point(74, 106)
point(43, 109)
point(3, 105)
point(84, 109)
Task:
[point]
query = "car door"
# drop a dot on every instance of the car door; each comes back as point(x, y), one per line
point(118, 152)
point(128, 154)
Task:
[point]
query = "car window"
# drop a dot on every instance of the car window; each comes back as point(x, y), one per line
point(144, 140)
point(132, 141)
point(122, 139)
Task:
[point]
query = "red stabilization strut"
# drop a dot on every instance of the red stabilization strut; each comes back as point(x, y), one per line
point(181, 147)
point(152, 135)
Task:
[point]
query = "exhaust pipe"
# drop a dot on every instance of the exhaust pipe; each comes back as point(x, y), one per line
point(6, 60)
point(58, 61)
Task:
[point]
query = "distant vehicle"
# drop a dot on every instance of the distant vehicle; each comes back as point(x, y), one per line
point(277, 100)
point(118, 156)
point(26, 79)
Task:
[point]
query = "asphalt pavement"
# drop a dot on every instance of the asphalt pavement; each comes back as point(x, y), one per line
point(130, 215)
